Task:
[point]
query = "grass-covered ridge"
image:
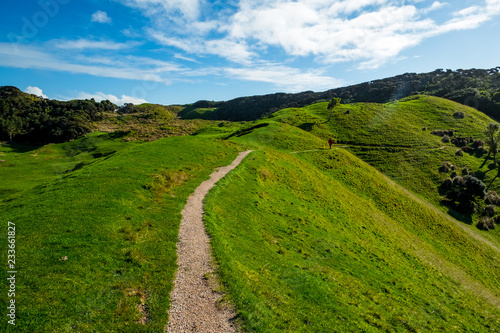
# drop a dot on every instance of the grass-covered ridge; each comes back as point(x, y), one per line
point(397, 138)
point(96, 247)
point(323, 242)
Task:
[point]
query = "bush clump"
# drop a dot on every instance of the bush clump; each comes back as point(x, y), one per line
point(485, 223)
point(460, 141)
point(459, 115)
point(492, 198)
point(446, 167)
point(478, 143)
point(445, 139)
point(464, 193)
point(468, 149)
point(449, 133)
point(447, 184)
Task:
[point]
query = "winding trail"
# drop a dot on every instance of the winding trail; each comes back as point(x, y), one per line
point(194, 306)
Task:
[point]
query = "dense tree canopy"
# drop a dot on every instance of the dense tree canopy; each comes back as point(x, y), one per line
point(29, 118)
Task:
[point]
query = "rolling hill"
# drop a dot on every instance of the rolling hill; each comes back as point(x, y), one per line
point(306, 238)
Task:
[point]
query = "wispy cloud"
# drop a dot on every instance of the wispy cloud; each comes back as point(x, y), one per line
point(188, 9)
point(101, 17)
point(88, 44)
point(287, 78)
point(233, 50)
point(24, 56)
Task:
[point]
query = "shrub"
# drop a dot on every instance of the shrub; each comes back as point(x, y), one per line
point(445, 167)
point(481, 150)
point(459, 115)
point(465, 171)
point(489, 211)
point(458, 181)
point(485, 223)
point(447, 184)
point(468, 149)
point(474, 186)
point(464, 193)
point(492, 198)
point(478, 143)
point(460, 141)
point(445, 139)
point(443, 132)
point(459, 152)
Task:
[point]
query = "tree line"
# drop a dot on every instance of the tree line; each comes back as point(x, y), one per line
point(29, 118)
point(479, 88)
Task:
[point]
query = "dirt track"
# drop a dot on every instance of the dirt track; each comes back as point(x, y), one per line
point(194, 305)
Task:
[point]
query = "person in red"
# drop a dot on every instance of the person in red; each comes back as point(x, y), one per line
point(330, 142)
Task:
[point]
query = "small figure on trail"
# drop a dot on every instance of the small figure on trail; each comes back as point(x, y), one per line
point(330, 142)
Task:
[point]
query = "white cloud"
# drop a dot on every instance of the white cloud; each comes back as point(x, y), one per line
point(189, 9)
point(436, 5)
point(367, 32)
point(24, 56)
point(100, 96)
point(287, 78)
point(181, 57)
point(236, 51)
point(88, 44)
point(101, 17)
point(35, 91)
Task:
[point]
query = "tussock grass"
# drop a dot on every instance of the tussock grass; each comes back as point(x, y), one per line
point(166, 181)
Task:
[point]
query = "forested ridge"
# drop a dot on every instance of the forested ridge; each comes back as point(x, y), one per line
point(479, 88)
point(33, 119)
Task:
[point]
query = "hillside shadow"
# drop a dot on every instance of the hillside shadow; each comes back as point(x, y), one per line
point(465, 218)
point(246, 130)
point(118, 134)
point(308, 127)
point(21, 148)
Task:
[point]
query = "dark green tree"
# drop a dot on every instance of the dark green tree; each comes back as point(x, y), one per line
point(492, 140)
point(334, 102)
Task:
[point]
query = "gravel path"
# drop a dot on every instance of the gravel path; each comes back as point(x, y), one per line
point(194, 305)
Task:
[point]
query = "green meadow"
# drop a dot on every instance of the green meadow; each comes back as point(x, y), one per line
point(306, 239)
point(95, 243)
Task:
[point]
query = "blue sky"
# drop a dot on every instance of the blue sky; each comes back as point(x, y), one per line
point(181, 51)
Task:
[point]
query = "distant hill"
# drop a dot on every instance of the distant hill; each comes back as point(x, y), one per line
point(479, 88)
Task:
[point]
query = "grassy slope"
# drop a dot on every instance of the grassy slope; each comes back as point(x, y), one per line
point(391, 138)
point(27, 166)
point(118, 230)
point(322, 242)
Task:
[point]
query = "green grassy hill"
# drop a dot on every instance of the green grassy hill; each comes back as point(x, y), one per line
point(95, 243)
point(307, 239)
point(396, 138)
point(322, 242)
